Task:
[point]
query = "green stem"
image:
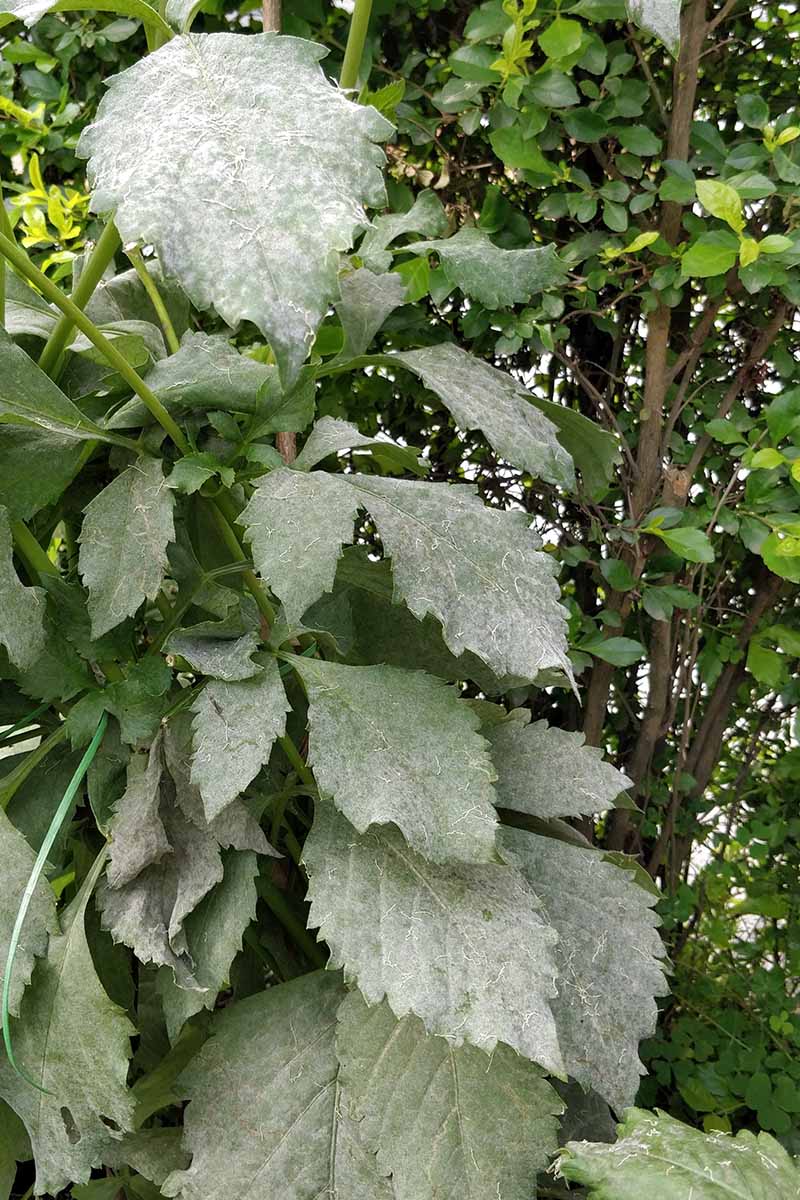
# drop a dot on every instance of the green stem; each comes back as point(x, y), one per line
point(355, 43)
point(19, 259)
point(298, 762)
point(12, 782)
point(225, 515)
point(276, 901)
point(51, 359)
point(7, 231)
point(149, 285)
point(36, 561)
point(38, 867)
point(24, 722)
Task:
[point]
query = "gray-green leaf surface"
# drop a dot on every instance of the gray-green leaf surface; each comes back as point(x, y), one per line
point(426, 216)
point(252, 225)
point(22, 609)
point(126, 530)
point(549, 772)
point(29, 396)
point(445, 1121)
point(608, 956)
point(68, 1026)
point(657, 1156)
point(18, 858)
point(235, 726)
point(400, 747)
point(463, 946)
point(495, 277)
point(365, 301)
point(662, 18)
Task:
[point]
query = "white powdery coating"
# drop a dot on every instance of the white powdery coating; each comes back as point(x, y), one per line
point(366, 301)
point(400, 747)
point(608, 956)
point(477, 570)
point(462, 946)
point(481, 397)
point(28, 11)
point(497, 278)
point(659, 17)
point(248, 192)
point(124, 539)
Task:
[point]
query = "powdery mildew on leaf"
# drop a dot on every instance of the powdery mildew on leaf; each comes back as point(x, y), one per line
point(331, 435)
point(248, 193)
point(214, 934)
point(366, 300)
point(296, 523)
point(481, 397)
point(235, 726)
point(463, 946)
point(550, 772)
point(18, 858)
point(608, 954)
point(657, 1156)
point(69, 1027)
point(426, 216)
point(138, 836)
point(126, 530)
point(400, 747)
point(662, 18)
point(264, 1117)
point(22, 609)
point(30, 396)
point(477, 570)
point(444, 1121)
point(495, 277)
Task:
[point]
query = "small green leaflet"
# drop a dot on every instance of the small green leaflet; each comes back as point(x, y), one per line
point(332, 436)
point(549, 772)
point(402, 1086)
point(607, 953)
point(366, 300)
point(658, 1156)
point(126, 530)
point(235, 726)
point(265, 1115)
point(68, 1026)
point(497, 278)
point(400, 747)
point(296, 171)
point(22, 608)
point(462, 946)
point(426, 216)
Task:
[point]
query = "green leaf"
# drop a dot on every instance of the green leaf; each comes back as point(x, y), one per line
point(14, 1147)
point(549, 772)
point(37, 467)
point(366, 300)
point(764, 664)
point(585, 125)
point(775, 243)
point(426, 216)
point(561, 38)
point(296, 523)
point(495, 1117)
point(67, 1027)
point(722, 201)
point(399, 747)
point(618, 574)
point(235, 726)
point(638, 139)
point(29, 397)
point(331, 436)
point(607, 954)
point(517, 151)
point(265, 1106)
point(753, 110)
point(766, 459)
point(214, 932)
point(712, 254)
point(497, 278)
point(22, 629)
point(619, 651)
point(657, 1155)
point(298, 171)
point(18, 858)
point(726, 432)
point(126, 530)
point(462, 946)
point(206, 372)
point(659, 17)
point(691, 544)
point(782, 556)
point(481, 397)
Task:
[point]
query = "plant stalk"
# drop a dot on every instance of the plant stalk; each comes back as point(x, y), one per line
point(357, 36)
point(35, 558)
point(7, 231)
point(19, 259)
point(149, 285)
point(51, 359)
point(276, 901)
